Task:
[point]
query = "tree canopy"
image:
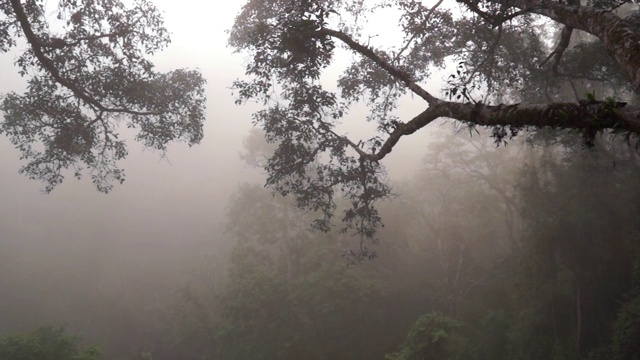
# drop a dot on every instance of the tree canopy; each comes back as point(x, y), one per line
point(87, 73)
point(521, 65)
point(517, 65)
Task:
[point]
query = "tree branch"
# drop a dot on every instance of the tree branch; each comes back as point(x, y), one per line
point(565, 38)
point(61, 43)
point(415, 34)
point(618, 36)
point(48, 65)
point(390, 69)
point(596, 116)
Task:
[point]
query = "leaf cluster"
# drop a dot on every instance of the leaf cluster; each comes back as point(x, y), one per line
point(88, 73)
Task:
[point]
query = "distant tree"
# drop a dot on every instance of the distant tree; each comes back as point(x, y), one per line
point(44, 344)
point(87, 73)
point(506, 78)
point(577, 258)
point(289, 294)
point(463, 206)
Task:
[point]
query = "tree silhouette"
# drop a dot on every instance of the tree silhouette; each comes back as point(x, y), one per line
point(507, 77)
point(88, 73)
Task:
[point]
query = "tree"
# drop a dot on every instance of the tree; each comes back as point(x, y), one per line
point(507, 78)
point(577, 257)
point(88, 73)
point(288, 295)
point(463, 204)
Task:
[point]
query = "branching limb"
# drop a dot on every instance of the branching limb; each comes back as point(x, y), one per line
point(416, 34)
point(596, 116)
point(565, 38)
point(326, 130)
point(617, 34)
point(392, 70)
point(61, 43)
point(490, 55)
point(37, 45)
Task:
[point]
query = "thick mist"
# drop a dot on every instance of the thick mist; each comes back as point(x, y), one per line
point(107, 266)
point(525, 250)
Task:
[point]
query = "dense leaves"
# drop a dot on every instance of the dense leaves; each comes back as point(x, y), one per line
point(493, 253)
point(88, 74)
point(288, 292)
point(429, 338)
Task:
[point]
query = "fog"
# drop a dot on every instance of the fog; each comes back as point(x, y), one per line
point(82, 259)
point(74, 248)
point(489, 248)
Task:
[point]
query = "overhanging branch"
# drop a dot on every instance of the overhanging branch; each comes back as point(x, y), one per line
point(565, 39)
point(591, 116)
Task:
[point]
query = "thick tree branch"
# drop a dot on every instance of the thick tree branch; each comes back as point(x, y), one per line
point(390, 69)
point(596, 116)
point(565, 39)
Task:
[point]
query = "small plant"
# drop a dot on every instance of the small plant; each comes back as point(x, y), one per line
point(45, 343)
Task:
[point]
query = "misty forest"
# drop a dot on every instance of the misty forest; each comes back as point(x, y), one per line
point(320, 179)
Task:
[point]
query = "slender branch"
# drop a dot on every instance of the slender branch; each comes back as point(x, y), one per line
point(61, 43)
point(490, 55)
point(617, 34)
point(36, 45)
point(501, 17)
point(327, 130)
point(415, 34)
point(489, 18)
point(573, 87)
point(384, 64)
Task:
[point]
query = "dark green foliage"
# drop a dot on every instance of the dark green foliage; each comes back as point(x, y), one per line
point(521, 252)
point(289, 293)
point(492, 271)
point(44, 344)
point(483, 258)
point(626, 328)
point(626, 331)
point(433, 336)
point(579, 207)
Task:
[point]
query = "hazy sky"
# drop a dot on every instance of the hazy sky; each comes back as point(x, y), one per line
point(188, 190)
point(168, 211)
